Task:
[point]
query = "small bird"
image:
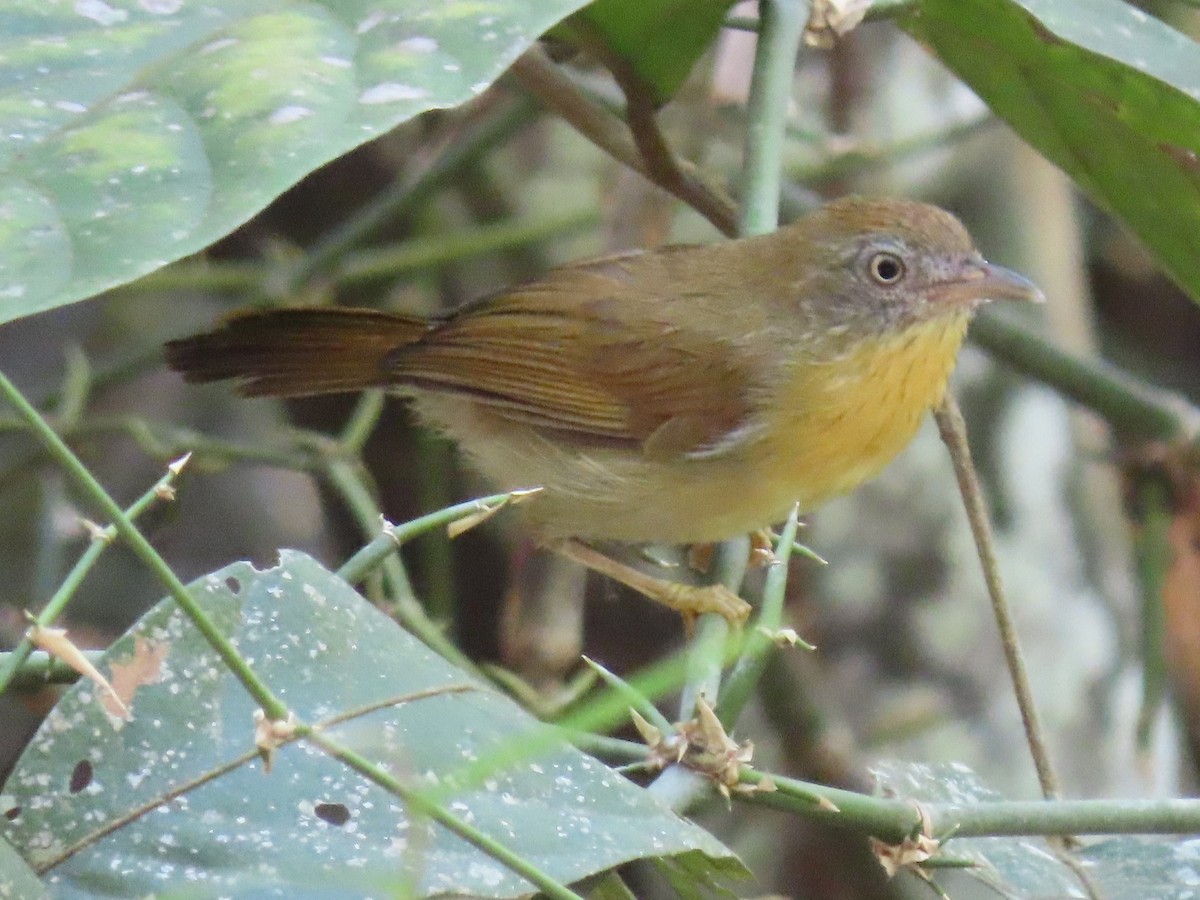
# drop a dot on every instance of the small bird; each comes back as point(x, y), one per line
point(678, 395)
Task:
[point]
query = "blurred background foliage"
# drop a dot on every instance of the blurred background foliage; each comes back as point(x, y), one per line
point(496, 190)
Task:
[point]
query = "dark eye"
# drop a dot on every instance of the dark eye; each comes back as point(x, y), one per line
point(886, 268)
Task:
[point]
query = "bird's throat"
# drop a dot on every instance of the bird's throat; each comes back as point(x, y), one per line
point(843, 420)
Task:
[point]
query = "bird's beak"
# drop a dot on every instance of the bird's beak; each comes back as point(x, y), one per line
point(982, 281)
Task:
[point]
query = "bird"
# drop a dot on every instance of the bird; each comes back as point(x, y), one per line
point(682, 394)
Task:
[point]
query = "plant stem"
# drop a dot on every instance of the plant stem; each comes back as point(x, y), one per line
point(780, 30)
point(39, 668)
point(1129, 405)
point(749, 668)
point(660, 165)
point(782, 24)
point(542, 79)
point(892, 819)
point(954, 433)
point(66, 591)
point(271, 706)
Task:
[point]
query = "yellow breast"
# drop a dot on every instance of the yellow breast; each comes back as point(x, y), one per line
point(842, 421)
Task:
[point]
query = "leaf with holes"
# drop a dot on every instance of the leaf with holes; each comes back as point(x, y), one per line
point(132, 134)
point(1103, 90)
point(177, 794)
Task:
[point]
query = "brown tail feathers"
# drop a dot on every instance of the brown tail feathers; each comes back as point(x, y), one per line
point(294, 352)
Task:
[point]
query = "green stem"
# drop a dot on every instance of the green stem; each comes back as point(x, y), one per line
point(58, 602)
point(770, 93)
point(272, 707)
point(635, 699)
point(860, 158)
point(394, 536)
point(708, 649)
point(164, 441)
point(345, 476)
point(409, 612)
point(748, 670)
point(362, 421)
point(39, 668)
point(1067, 817)
point(892, 819)
point(1129, 405)
point(781, 27)
point(782, 24)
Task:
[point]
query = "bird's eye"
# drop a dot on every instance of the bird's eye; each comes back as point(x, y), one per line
point(886, 268)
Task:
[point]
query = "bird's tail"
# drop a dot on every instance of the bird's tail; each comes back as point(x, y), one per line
point(299, 351)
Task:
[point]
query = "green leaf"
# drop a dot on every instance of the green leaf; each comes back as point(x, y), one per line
point(134, 134)
point(162, 801)
point(1146, 868)
point(1103, 90)
point(16, 878)
point(660, 39)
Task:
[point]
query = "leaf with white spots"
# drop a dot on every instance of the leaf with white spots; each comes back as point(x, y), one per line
point(1148, 868)
point(1105, 91)
point(178, 796)
point(133, 134)
point(16, 878)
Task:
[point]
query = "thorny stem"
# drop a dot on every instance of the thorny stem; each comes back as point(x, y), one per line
point(66, 591)
point(272, 707)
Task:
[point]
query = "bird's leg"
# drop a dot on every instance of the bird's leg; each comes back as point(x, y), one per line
point(688, 599)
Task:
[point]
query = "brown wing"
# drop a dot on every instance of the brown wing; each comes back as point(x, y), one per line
point(606, 365)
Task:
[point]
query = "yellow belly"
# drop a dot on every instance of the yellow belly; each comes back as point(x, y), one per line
point(830, 427)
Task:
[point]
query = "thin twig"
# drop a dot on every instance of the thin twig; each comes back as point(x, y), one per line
point(661, 165)
point(954, 433)
point(542, 78)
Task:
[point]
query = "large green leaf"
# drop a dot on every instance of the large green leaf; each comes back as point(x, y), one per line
point(659, 39)
point(1105, 91)
point(134, 133)
point(154, 803)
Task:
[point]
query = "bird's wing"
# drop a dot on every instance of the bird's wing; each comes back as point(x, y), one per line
point(592, 371)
